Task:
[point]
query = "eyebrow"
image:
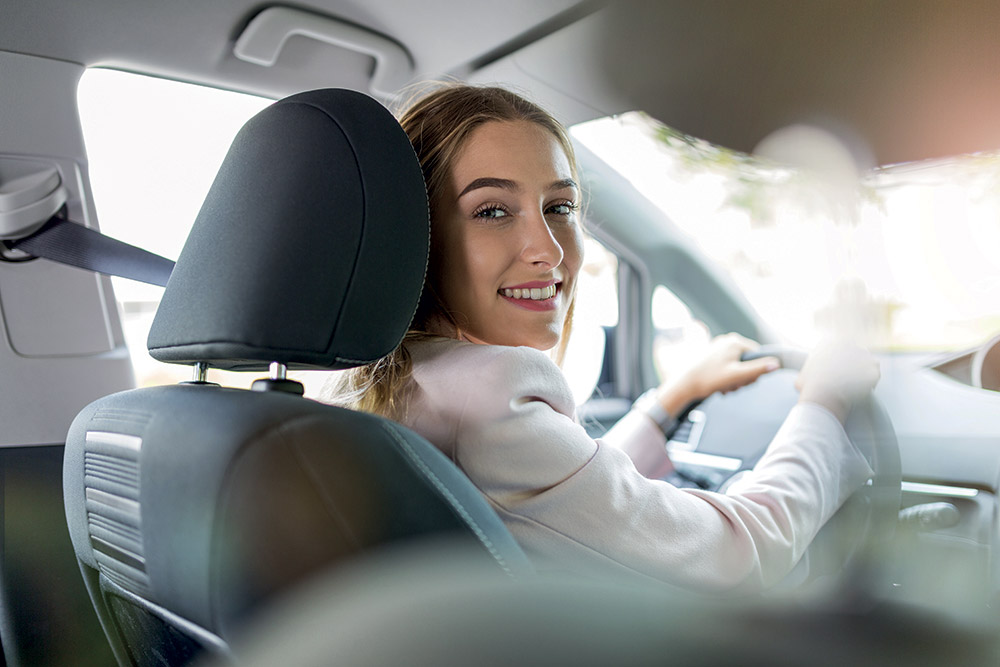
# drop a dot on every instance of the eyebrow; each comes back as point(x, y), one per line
point(512, 186)
point(563, 184)
point(502, 183)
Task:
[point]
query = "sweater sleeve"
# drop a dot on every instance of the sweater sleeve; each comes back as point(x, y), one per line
point(643, 442)
point(575, 502)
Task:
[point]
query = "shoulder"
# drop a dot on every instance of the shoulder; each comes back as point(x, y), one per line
point(504, 414)
point(495, 373)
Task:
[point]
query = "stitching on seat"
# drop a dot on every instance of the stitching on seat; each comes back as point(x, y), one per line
point(450, 497)
point(348, 136)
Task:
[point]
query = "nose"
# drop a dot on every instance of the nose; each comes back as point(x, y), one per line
point(540, 246)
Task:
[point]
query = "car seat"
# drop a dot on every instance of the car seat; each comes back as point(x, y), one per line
point(193, 506)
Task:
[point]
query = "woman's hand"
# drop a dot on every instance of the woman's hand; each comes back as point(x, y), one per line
point(836, 375)
point(718, 369)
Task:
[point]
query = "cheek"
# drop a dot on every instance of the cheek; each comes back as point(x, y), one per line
point(458, 261)
point(572, 244)
point(477, 257)
point(485, 254)
point(445, 256)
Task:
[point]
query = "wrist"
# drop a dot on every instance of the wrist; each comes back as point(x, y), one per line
point(663, 405)
point(832, 402)
point(649, 404)
point(676, 396)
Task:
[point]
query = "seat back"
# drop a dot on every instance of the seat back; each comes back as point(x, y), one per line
point(191, 507)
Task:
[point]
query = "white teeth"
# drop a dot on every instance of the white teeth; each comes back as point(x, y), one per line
point(534, 293)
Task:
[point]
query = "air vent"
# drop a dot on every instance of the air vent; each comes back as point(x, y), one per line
point(707, 470)
point(688, 434)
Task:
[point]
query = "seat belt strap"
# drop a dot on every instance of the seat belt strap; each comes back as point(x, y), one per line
point(67, 242)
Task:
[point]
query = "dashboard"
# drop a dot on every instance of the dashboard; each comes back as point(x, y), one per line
point(944, 551)
point(979, 367)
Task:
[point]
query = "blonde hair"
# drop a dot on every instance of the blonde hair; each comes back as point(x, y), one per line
point(438, 124)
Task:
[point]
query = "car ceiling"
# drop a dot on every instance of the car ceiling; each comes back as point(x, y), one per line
point(194, 40)
point(913, 79)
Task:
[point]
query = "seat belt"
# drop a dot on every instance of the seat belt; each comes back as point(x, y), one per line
point(61, 240)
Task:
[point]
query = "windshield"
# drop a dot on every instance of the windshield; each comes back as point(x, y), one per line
point(907, 257)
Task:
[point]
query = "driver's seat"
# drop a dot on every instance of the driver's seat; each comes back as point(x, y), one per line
point(192, 506)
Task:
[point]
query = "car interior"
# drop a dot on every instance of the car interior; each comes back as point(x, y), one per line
point(218, 514)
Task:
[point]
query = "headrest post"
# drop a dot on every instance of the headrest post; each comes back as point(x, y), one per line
point(200, 372)
point(278, 381)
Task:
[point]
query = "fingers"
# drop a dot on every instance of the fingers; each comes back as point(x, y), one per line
point(837, 375)
point(743, 373)
point(721, 368)
point(734, 339)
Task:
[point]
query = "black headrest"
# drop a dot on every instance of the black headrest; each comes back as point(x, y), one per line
point(311, 246)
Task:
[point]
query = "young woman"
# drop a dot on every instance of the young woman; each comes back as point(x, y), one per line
point(476, 378)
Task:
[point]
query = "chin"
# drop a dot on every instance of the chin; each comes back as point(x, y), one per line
point(543, 343)
point(544, 339)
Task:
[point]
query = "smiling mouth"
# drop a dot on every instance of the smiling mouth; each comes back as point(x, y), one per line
point(531, 294)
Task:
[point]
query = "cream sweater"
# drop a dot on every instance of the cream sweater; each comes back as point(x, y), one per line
point(505, 416)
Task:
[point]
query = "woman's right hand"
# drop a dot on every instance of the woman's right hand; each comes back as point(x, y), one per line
point(836, 375)
point(717, 368)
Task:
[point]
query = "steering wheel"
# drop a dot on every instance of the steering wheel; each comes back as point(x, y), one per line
point(850, 548)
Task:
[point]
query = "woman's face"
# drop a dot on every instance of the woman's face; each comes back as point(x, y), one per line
point(507, 243)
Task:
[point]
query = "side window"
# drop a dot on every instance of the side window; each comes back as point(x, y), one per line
point(154, 147)
point(595, 311)
point(677, 335)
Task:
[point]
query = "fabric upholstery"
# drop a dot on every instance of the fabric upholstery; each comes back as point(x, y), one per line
point(269, 489)
point(310, 248)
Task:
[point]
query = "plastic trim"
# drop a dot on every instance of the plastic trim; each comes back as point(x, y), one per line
point(265, 36)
